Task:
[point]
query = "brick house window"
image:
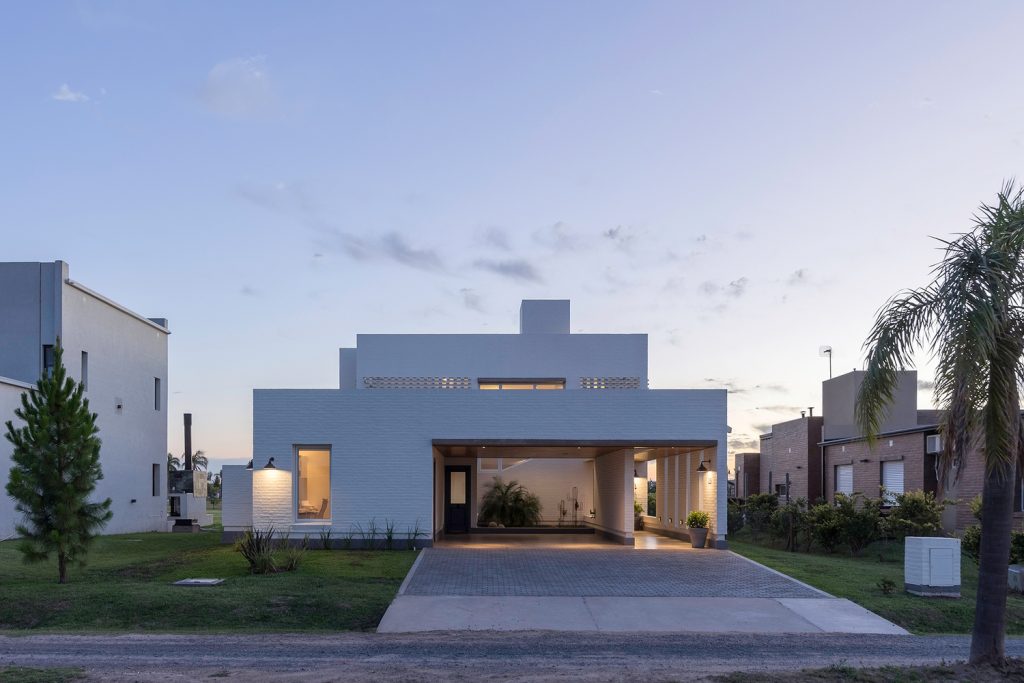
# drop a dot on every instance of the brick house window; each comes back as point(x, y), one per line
point(844, 479)
point(892, 480)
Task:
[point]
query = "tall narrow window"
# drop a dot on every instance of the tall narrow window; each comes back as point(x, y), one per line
point(844, 479)
point(156, 479)
point(85, 370)
point(314, 483)
point(892, 480)
point(48, 359)
point(156, 393)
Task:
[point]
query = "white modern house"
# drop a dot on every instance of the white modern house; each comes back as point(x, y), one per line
point(420, 424)
point(120, 356)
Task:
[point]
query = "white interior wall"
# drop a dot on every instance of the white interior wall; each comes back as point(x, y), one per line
point(550, 479)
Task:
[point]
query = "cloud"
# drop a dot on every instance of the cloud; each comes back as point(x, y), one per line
point(495, 238)
point(248, 291)
point(736, 388)
point(737, 288)
point(734, 289)
point(799, 277)
point(66, 94)
point(238, 88)
point(781, 408)
point(515, 269)
point(558, 237)
point(391, 246)
point(763, 427)
point(744, 443)
point(925, 385)
point(621, 236)
point(394, 246)
point(657, 93)
point(471, 300)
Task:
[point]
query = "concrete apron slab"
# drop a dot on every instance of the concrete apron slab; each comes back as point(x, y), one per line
point(413, 613)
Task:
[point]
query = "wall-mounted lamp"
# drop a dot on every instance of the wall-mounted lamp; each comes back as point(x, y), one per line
point(865, 460)
point(249, 466)
point(700, 467)
point(270, 465)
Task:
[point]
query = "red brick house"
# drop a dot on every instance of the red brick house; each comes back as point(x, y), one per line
point(811, 457)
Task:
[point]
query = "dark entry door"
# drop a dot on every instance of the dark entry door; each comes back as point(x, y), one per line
point(456, 499)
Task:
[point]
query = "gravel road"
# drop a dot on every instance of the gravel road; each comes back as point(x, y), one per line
point(462, 656)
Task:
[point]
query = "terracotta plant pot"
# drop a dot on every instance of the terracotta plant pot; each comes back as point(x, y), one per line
point(698, 537)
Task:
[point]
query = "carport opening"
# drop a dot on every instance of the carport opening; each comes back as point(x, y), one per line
point(609, 489)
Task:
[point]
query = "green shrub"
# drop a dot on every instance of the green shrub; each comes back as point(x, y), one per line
point(257, 547)
point(1017, 547)
point(698, 519)
point(510, 504)
point(916, 513)
point(976, 507)
point(789, 523)
point(735, 519)
point(858, 520)
point(826, 532)
point(970, 542)
point(887, 586)
point(760, 507)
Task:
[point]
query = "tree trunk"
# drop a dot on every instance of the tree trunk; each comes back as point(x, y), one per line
point(62, 567)
point(988, 640)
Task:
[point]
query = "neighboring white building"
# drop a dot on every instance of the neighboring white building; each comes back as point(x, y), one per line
point(421, 423)
point(119, 355)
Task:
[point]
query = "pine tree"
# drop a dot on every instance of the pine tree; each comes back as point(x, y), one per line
point(56, 466)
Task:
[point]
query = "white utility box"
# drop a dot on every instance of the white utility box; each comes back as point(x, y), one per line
point(931, 566)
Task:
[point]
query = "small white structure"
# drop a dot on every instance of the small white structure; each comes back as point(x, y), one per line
point(120, 357)
point(931, 566)
point(422, 423)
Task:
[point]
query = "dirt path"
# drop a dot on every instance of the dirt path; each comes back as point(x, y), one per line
point(528, 656)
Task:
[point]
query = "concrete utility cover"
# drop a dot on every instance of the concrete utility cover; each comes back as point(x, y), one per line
point(615, 589)
point(199, 582)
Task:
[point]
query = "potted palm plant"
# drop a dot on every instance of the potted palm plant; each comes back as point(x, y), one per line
point(697, 523)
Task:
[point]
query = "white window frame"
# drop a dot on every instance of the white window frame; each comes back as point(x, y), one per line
point(835, 473)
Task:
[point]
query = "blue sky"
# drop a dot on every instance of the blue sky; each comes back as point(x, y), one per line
point(743, 181)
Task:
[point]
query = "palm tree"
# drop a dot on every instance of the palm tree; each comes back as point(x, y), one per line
point(200, 461)
point(971, 317)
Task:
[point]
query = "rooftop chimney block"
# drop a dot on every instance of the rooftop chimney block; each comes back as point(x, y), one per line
point(544, 316)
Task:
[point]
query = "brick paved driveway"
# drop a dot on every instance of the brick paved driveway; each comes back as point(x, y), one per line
point(612, 571)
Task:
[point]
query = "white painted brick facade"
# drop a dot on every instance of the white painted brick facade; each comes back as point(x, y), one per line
point(272, 500)
point(381, 441)
point(236, 497)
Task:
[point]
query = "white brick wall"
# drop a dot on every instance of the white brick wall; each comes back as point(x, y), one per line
point(272, 500)
point(10, 400)
point(236, 494)
point(614, 483)
point(381, 441)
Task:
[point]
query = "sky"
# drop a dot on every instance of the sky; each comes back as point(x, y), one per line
point(743, 181)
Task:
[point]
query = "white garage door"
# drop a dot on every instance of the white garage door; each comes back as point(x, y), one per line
point(844, 479)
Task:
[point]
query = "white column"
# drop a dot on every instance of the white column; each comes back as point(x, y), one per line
point(675, 489)
point(689, 469)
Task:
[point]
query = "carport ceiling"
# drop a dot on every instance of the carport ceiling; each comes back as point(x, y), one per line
point(585, 451)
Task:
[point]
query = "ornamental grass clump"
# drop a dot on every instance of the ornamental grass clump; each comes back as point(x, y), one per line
point(257, 547)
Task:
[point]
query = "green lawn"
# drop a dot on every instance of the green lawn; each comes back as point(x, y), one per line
point(126, 587)
point(856, 578)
